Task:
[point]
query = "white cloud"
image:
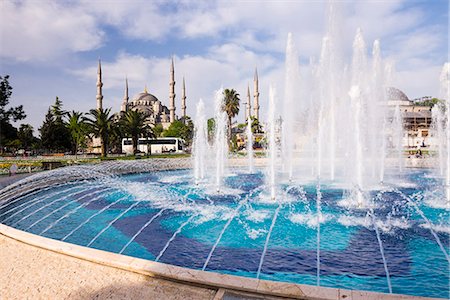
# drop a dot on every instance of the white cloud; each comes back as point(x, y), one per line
point(134, 19)
point(229, 65)
point(234, 38)
point(43, 30)
point(418, 45)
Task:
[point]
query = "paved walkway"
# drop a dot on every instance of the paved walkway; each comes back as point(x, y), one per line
point(28, 272)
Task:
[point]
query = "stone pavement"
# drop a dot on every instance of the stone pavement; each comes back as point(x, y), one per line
point(29, 272)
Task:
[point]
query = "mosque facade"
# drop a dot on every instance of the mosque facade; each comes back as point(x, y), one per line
point(157, 112)
point(147, 103)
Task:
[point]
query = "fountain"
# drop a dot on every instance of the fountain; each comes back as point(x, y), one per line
point(445, 93)
point(250, 146)
point(438, 115)
point(441, 130)
point(292, 79)
point(315, 214)
point(200, 143)
point(357, 100)
point(397, 136)
point(272, 144)
point(220, 138)
point(379, 115)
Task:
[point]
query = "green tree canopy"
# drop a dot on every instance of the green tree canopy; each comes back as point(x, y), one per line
point(135, 125)
point(181, 130)
point(7, 115)
point(158, 130)
point(429, 102)
point(78, 130)
point(55, 135)
point(256, 126)
point(57, 111)
point(115, 136)
point(211, 123)
point(100, 125)
point(231, 106)
point(26, 137)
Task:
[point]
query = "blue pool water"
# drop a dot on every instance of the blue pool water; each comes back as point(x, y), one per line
point(163, 216)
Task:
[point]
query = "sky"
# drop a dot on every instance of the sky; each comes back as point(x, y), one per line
point(51, 48)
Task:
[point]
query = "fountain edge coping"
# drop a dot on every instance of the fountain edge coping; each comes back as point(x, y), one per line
point(194, 277)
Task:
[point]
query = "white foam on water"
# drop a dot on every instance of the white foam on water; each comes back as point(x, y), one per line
point(433, 176)
point(309, 219)
point(437, 227)
point(351, 202)
point(173, 179)
point(280, 198)
point(256, 233)
point(208, 213)
point(386, 225)
point(211, 190)
point(349, 221)
point(258, 216)
point(436, 199)
point(404, 184)
point(149, 192)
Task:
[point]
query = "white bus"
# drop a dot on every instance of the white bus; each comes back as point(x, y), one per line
point(154, 146)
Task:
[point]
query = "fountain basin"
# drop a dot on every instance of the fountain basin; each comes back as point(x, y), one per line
point(193, 218)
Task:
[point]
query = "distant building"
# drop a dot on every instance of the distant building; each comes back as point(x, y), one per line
point(416, 119)
point(144, 102)
point(152, 106)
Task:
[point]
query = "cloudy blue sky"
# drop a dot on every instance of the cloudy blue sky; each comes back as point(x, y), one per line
point(50, 48)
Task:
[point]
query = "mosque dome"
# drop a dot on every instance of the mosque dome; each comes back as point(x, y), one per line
point(394, 94)
point(144, 98)
point(147, 103)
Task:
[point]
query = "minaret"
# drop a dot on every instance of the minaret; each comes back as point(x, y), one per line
point(99, 86)
point(183, 100)
point(172, 93)
point(256, 96)
point(248, 107)
point(124, 106)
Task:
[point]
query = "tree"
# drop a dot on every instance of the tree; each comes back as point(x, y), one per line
point(14, 145)
point(115, 136)
point(256, 126)
point(134, 124)
point(429, 102)
point(158, 130)
point(54, 134)
point(8, 132)
point(181, 130)
point(47, 130)
point(77, 129)
point(57, 111)
point(211, 123)
point(231, 107)
point(100, 125)
point(26, 137)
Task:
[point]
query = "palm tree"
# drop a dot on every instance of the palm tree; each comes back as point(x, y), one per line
point(77, 128)
point(100, 125)
point(134, 124)
point(115, 137)
point(231, 107)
